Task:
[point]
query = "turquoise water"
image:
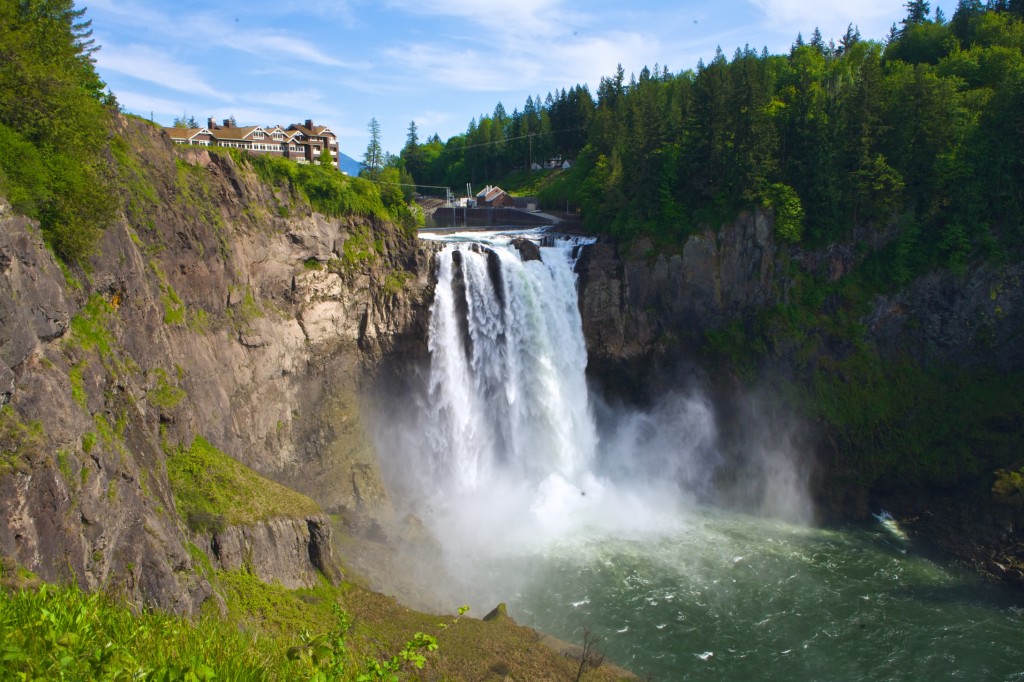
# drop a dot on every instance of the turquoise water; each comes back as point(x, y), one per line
point(579, 515)
point(729, 597)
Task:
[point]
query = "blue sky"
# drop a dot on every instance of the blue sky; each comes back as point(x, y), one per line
point(438, 62)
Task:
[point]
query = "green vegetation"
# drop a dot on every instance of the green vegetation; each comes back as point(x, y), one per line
point(395, 282)
point(211, 490)
point(89, 328)
point(920, 133)
point(19, 442)
point(358, 249)
point(930, 427)
point(53, 124)
point(89, 637)
point(164, 395)
point(245, 312)
point(174, 309)
point(77, 379)
point(326, 190)
point(1009, 483)
point(62, 633)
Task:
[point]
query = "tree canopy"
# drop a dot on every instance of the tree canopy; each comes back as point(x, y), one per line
point(53, 124)
point(922, 135)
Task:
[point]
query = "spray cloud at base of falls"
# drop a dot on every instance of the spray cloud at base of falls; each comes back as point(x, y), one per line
point(503, 447)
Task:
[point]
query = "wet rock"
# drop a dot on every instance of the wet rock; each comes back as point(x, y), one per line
point(527, 249)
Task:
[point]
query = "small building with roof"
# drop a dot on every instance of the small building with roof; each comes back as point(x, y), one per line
point(494, 196)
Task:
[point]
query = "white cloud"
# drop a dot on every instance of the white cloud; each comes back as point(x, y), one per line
point(588, 60)
point(154, 66)
point(505, 19)
point(428, 121)
point(262, 42)
point(832, 16)
point(211, 29)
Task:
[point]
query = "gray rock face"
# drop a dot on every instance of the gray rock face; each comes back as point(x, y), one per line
point(227, 310)
point(634, 304)
point(290, 551)
point(32, 304)
point(966, 320)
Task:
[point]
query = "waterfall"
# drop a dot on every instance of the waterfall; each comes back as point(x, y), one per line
point(507, 394)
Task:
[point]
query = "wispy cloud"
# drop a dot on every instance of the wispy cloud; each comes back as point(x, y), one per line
point(466, 70)
point(154, 66)
point(214, 28)
point(536, 17)
point(265, 42)
point(831, 16)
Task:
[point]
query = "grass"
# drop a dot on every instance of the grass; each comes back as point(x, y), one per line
point(212, 490)
point(395, 282)
point(360, 248)
point(20, 442)
point(62, 633)
point(164, 395)
point(89, 328)
point(75, 375)
point(269, 633)
point(522, 182)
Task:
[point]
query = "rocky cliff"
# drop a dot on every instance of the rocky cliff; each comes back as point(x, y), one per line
point(218, 306)
point(637, 302)
point(908, 398)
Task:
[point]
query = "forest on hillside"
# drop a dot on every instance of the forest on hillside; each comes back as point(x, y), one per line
point(923, 132)
point(909, 152)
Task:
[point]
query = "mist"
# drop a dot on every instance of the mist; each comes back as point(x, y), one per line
point(502, 451)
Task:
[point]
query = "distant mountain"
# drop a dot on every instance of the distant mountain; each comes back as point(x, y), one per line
point(346, 164)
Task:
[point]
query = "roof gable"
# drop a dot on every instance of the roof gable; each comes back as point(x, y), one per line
point(185, 133)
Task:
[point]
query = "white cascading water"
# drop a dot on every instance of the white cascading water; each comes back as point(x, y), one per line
point(507, 391)
point(505, 437)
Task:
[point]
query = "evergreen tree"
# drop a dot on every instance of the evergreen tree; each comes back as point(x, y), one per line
point(917, 12)
point(373, 158)
point(412, 139)
point(53, 126)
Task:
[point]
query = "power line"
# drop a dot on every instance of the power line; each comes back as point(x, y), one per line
point(518, 137)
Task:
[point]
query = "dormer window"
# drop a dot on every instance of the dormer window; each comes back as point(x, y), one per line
point(257, 135)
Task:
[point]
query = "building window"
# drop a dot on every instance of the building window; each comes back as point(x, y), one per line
point(257, 135)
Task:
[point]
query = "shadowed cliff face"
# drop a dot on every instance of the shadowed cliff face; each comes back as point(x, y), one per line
point(651, 320)
point(639, 305)
point(217, 306)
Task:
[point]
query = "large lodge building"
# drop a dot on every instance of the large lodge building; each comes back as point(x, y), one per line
point(303, 143)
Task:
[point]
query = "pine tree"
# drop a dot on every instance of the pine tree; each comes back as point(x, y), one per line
point(917, 12)
point(373, 158)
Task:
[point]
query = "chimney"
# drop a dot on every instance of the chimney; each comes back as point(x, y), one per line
point(210, 123)
point(309, 124)
point(227, 123)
